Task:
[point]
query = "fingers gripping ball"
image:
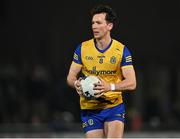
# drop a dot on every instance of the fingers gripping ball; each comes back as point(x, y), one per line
point(87, 85)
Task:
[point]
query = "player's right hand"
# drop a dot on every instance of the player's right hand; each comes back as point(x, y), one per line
point(78, 87)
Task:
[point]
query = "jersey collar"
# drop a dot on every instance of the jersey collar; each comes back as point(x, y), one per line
point(103, 50)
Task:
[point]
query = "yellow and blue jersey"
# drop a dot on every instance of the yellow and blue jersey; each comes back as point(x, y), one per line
point(107, 64)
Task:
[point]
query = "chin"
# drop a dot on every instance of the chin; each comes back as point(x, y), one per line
point(97, 37)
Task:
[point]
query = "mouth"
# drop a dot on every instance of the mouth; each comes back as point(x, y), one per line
point(95, 32)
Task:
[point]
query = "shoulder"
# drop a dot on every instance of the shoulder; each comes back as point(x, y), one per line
point(118, 44)
point(83, 45)
point(88, 42)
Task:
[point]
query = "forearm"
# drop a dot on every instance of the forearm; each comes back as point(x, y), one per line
point(125, 85)
point(73, 75)
point(129, 81)
point(71, 80)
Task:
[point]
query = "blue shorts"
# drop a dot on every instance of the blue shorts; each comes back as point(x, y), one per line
point(94, 119)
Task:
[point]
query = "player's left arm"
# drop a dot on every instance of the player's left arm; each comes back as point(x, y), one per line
point(128, 83)
point(128, 73)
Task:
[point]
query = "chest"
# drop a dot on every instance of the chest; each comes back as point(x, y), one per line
point(108, 60)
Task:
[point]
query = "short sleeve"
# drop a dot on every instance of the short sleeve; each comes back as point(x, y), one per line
point(77, 55)
point(126, 58)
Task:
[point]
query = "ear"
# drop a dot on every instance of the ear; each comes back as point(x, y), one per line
point(110, 26)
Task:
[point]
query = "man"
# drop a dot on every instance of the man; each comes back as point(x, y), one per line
point(111, 61)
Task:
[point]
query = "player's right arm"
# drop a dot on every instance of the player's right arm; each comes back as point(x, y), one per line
point(75, 69)
point(72, 78)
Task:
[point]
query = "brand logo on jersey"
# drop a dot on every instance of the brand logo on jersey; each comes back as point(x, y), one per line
point(101, 56)
point(89, 58)
point(117, 49)
point(98, 72)
point(113, 60)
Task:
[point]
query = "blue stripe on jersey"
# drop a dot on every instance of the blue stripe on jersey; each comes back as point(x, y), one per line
point(77, 55)
point(126, 58)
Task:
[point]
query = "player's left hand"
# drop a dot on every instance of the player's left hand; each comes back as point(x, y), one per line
point(101, 87)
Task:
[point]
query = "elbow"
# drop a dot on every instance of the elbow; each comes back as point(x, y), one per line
point(133, 86)
point(68, 81)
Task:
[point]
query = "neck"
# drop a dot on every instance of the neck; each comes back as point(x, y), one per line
point(103, 42)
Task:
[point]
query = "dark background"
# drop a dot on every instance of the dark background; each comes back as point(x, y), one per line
point(38, 38)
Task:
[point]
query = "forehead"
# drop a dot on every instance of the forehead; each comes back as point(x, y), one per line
point(100, 16)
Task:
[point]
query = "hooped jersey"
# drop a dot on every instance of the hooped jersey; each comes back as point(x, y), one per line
point(107, 64)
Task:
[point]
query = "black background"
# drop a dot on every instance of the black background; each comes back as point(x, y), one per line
point(45, 33)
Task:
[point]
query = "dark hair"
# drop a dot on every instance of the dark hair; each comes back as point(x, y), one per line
point(110, 14)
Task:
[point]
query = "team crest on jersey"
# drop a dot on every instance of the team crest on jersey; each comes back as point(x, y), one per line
point(90, 122)
point(113, 60)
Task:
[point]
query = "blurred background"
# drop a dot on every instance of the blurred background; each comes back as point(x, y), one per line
point(38, 38)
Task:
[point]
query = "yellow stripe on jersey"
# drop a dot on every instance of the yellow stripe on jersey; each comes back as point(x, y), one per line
point(75, 56)
point(128, 59)
point(76, 64)
point(128, 66)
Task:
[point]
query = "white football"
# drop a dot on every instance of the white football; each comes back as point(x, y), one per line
point(87, 85)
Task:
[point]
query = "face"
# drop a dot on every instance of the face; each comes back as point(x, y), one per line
point(100, 26)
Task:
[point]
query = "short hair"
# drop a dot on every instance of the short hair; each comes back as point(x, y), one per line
point(110, 14)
